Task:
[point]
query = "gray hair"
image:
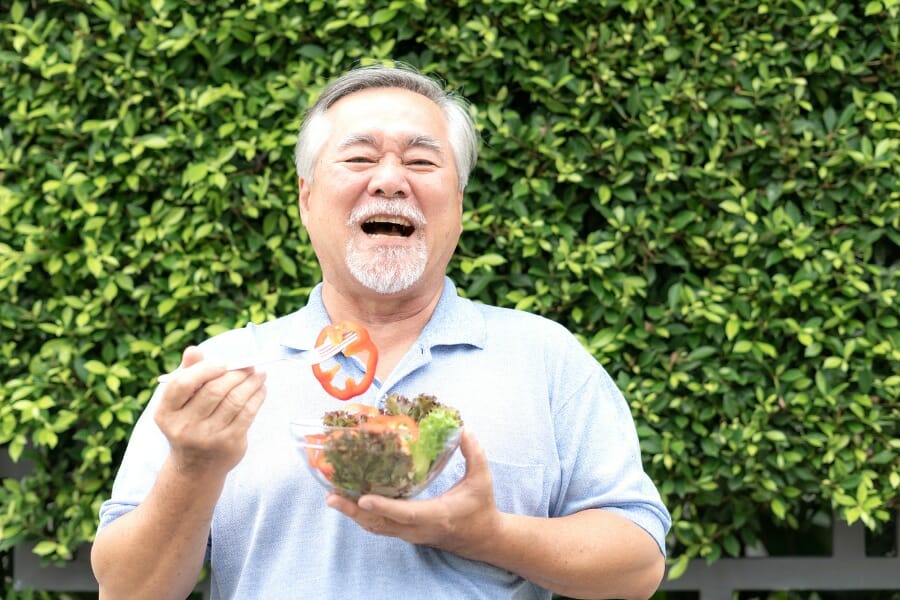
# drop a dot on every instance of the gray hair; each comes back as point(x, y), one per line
point(460, 125)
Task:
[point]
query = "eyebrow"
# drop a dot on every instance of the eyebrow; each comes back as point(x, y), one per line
point(413, 141)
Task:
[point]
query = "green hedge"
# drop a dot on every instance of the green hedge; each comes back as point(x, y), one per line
point(706, 192)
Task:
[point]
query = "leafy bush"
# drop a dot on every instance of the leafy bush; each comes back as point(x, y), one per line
point(706, 192)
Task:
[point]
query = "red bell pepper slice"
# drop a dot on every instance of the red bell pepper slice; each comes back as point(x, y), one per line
point(364, 344)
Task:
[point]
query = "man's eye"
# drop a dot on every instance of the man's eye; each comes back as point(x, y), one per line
point(420, 162)
point(359, 159)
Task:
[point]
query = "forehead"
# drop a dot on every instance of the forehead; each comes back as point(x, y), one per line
point(386, 113)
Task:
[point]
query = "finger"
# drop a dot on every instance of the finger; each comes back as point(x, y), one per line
point(221, 386)
point(190, 356)
point(230, 395)
point(399, 511)
point(345, 506)
point(348, 507)
point(188, 382)
point(341, 504)
point(244, 418)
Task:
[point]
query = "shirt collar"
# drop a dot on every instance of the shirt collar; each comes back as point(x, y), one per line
point(456, 321)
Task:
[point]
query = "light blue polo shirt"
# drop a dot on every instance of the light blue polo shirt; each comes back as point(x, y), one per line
point(557, 432)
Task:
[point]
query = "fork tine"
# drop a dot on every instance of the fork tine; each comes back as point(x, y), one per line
point(342, 345)
point(328, 350)
point(324, 349)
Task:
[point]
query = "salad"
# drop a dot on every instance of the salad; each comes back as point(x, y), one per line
point(395, 451)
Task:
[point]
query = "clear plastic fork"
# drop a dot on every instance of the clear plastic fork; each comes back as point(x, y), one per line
point(315, 356)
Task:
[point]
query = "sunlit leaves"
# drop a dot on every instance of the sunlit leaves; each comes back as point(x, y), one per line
point(707, 197)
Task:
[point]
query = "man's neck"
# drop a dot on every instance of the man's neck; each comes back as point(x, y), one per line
point(394, 321)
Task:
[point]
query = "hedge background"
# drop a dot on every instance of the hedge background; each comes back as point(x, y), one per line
point(706, 192)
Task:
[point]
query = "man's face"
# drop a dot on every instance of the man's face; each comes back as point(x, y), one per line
point(384, 209)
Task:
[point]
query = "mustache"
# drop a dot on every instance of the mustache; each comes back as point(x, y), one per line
point(386, 208)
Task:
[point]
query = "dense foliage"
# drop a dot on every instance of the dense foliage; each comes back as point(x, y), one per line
point(706, 192)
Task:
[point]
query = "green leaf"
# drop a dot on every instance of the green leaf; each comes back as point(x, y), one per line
point(95, 366)
point(810, 61)
point(767, 349)
point(873, 8)
point(742, 346)
point(778, 508)
point(384, 15)
point(17, 12)
point(45, 547)
point(678, 567)
point(702, 352)
point(776, 436)
point(154, 141)
point(166, 306)
point(604, 194)
point(732, 207)
point(491, 260)
point(732, 328)
point(105, 419)
point(731, 545)
point(885, 97)
point(832, 362)
point(195, 173)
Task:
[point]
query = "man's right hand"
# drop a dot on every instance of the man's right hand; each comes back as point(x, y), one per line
point(205, 412)
point(157, 550)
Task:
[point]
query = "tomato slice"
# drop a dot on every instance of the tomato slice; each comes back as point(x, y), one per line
point(316, 456)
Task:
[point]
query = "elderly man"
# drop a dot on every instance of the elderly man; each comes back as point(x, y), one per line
point(548, 494)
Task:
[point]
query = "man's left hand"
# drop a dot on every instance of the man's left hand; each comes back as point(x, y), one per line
point(461, 520)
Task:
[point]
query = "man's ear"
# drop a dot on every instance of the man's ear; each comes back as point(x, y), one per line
point(303, 197)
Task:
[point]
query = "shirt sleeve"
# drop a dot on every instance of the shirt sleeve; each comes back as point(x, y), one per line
point(599, 450)
point(146, 451)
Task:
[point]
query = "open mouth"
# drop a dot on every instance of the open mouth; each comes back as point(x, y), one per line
point(391, 226)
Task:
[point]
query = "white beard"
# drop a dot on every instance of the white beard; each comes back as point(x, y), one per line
point(390, 269)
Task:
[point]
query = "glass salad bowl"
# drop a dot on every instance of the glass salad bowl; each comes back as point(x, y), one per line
point(368, 452)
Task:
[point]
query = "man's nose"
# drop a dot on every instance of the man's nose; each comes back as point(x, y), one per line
point(389, 180)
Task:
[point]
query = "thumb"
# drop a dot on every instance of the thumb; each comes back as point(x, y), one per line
point(476, 459)
point(191, 356)
point(478, 478)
